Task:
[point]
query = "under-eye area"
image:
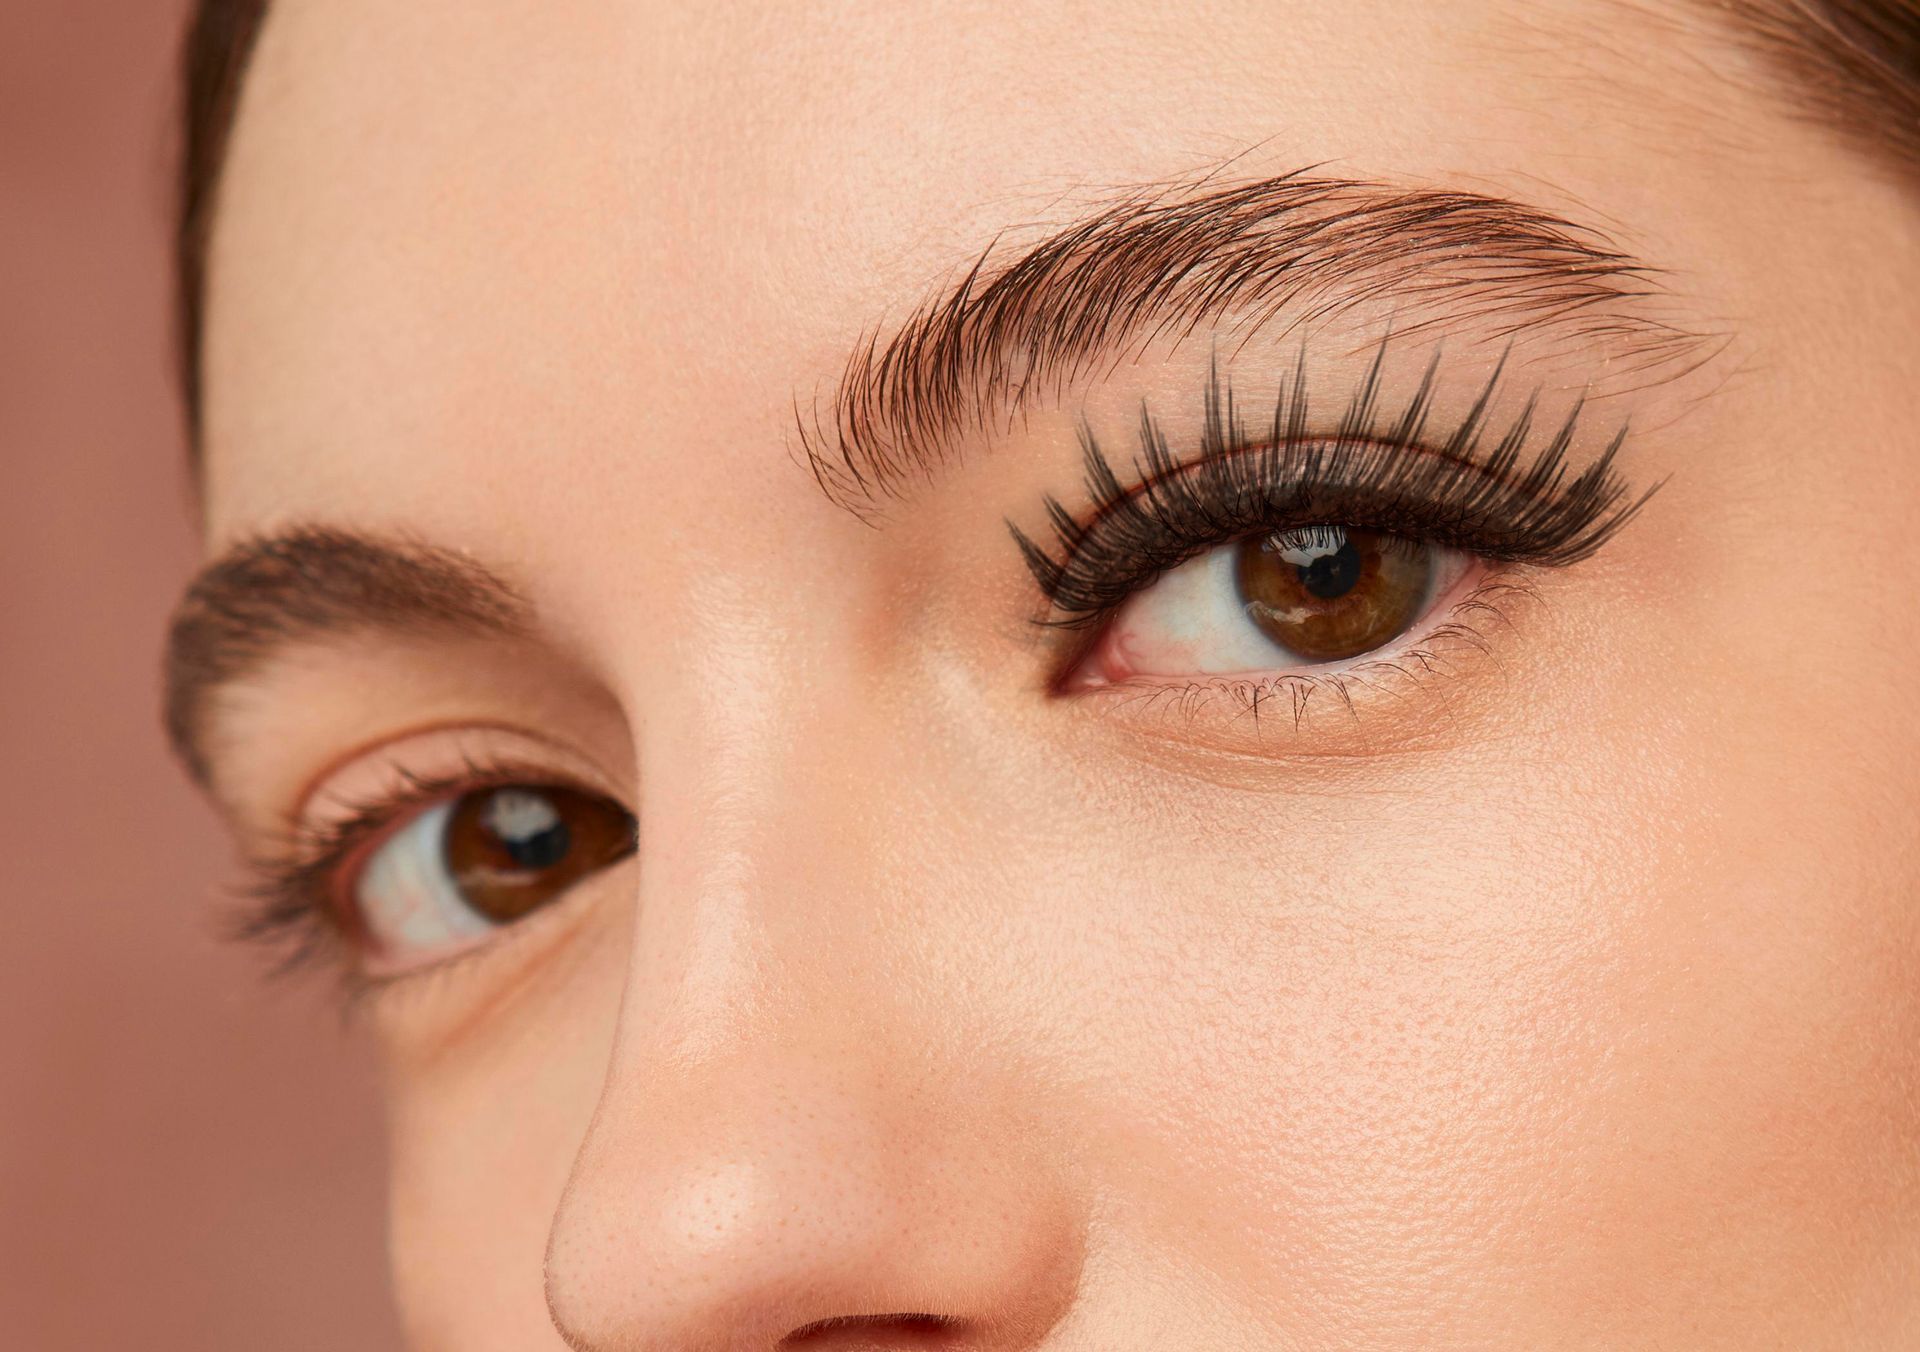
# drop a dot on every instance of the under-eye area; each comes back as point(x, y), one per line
point(1406, 681)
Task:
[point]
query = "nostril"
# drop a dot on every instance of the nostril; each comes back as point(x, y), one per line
point(876, 1333)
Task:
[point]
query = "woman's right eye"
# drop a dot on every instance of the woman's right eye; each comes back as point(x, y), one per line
point(465, 866)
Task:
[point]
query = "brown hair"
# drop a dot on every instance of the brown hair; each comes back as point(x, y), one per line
point(1852, 64)
point(219, 42)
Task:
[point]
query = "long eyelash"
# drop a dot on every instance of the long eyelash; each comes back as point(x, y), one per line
point(289, 906)
point(1467, 490)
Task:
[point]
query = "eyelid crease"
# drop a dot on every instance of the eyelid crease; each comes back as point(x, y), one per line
point(1372, 471)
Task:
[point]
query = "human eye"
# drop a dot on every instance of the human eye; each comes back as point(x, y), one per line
point(1294, 599)
point(1285, 555)
point(416, 876)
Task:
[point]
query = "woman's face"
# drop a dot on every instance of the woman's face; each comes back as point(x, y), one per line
point(1360, 894)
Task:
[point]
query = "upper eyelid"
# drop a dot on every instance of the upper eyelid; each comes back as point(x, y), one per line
point(390, 754)
point(379, 812)
point(391, 784)
point(418, 791)
point(268, 595)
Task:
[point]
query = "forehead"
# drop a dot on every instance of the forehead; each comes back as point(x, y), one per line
point(506, 232)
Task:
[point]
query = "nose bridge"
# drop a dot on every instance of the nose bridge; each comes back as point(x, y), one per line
point(769, 877)
point(777, 793)
point(795, 1128)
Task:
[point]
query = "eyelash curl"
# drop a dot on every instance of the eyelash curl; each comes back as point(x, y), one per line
point(1467, 490)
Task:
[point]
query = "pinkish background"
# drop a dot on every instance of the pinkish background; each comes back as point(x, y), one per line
point(189, 1159)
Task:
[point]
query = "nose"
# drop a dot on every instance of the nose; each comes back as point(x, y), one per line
point(772, 1200)
point(801, 1142)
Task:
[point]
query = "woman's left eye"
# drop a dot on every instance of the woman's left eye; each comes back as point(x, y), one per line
point(1301, 598)
point(466, 866)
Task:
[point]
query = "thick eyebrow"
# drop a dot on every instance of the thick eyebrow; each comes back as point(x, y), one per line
point(268, 594)
point(1157, 266)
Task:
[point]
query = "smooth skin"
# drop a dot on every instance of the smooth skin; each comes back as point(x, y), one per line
point(1571, 1001)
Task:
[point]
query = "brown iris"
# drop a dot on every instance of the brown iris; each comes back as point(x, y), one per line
point(515, 848)
point(1330, 592)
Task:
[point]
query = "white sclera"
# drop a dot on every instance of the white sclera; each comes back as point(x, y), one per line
point(1192, 622)
point(407, 898)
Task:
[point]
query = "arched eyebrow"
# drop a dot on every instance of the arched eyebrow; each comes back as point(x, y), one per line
point(1278, 254)
point(273, 593)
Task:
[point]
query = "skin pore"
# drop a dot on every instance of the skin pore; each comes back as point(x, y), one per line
point(1551, 980)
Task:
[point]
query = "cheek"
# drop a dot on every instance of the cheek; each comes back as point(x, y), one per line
point(1351, 1041)
point(1494, 1041)
point(1753, 1133)
point(487, 1111)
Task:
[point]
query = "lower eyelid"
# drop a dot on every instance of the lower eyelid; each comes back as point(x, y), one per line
point(482, 974)
point(1466, 629)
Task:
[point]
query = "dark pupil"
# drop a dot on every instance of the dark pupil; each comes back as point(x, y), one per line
point(528, 828)
point(1334, 574)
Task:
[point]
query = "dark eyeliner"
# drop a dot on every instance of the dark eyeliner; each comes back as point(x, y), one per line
point(1466, 490)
